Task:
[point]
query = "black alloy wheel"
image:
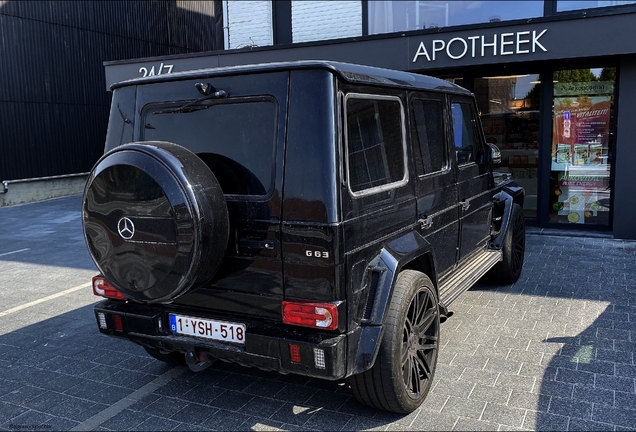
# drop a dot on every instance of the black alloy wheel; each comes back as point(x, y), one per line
point(508, 270)
point(403, 372)
point(420, 342)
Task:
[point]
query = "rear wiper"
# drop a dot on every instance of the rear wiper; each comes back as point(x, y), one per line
point(183, 109)
point(190, 106)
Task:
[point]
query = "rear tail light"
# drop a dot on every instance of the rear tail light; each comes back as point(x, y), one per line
point(102, 288)
point(317, 315)
point(116, 321)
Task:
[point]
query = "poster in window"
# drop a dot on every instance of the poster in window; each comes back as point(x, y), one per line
point(580, 141)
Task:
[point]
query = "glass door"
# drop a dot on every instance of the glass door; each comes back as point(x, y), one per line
point(509, 109)
point(582, 144)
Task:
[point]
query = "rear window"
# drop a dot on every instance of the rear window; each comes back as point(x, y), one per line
point(235, 138)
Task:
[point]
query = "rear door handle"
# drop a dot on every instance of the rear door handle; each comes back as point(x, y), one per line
point(465, 204)
point(426, 223)
point(256, 244)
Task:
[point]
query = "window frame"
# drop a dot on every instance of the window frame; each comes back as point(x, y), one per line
point(385, 187)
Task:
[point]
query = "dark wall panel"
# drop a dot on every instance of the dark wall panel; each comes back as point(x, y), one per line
point(625, 160)
point(53, 107)
point(43, 139)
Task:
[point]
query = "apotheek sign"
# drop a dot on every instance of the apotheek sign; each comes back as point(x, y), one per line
point(481, 46)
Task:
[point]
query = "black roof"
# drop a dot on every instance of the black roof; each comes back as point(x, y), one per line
point(349, 72)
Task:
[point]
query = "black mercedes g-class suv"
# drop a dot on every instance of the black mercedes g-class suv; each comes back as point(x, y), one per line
point(309, 217)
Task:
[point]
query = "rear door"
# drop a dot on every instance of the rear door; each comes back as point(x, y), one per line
point(241, 139)
point(436, 190)
point(378, 197)
point(473, 177)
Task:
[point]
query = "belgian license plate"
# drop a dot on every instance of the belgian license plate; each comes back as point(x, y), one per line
point(209, 329)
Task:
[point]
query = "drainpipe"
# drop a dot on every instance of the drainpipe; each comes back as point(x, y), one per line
point(226, 28)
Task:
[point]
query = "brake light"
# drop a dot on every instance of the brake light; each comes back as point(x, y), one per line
point(317, 315)
point(102, 288)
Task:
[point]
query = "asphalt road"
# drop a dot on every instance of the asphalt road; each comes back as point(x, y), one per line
point(555, 351)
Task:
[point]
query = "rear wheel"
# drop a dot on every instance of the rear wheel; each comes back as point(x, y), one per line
point(402, 374)
point(509, 269)
point(173, 357)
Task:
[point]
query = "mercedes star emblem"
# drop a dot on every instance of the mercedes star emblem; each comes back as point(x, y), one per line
point(126, 228)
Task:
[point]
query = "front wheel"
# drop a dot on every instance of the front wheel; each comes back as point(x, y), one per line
point(402, 374)
point(508, 270)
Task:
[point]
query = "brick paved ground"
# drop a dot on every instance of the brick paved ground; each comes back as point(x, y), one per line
point(555, 351)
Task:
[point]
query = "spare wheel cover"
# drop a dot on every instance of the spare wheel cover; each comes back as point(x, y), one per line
point(155, 220)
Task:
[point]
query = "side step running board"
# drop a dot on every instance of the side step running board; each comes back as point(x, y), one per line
point(467, 274)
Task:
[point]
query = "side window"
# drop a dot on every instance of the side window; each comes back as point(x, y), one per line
point(467, 148)
point(429, 131)
point(375, 142)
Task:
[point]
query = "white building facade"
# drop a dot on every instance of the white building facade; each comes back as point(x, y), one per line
point(251, 23)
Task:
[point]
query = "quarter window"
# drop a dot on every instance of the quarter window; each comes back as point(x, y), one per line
point(429, 131)
point(375, 142)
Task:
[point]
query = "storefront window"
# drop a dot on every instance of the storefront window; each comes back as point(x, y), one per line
point(582, 146)
point(563, 5)
point(393, 16)
point(509, 108)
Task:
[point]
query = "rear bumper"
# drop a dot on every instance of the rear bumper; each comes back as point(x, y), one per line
point(266, 347)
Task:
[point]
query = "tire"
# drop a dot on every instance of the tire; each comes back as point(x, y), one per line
point(155, 220)
point(403, 372)
point(173, 358)
point(508, 270)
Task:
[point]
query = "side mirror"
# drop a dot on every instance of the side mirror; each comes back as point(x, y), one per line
point(495, 154)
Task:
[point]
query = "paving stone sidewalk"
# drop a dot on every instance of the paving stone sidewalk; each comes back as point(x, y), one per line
point(555, 351)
